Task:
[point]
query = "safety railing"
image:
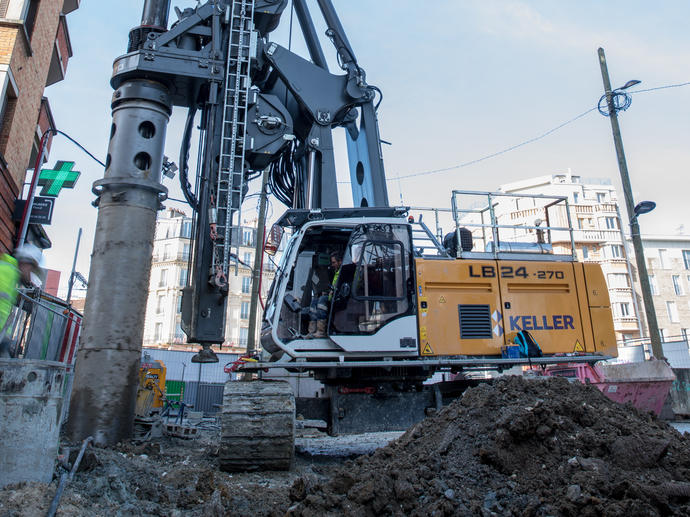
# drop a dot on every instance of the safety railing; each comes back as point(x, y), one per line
point(43, 327)
point(502, 225)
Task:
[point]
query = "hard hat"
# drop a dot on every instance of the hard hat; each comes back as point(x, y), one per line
point(29, 253)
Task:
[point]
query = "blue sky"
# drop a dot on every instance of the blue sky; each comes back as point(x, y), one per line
point(462, 79)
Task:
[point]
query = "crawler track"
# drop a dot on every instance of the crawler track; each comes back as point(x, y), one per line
point(257, 420)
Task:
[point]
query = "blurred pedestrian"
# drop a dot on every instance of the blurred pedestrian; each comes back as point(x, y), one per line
point(25, 263)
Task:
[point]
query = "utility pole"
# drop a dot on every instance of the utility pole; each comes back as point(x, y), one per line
point(258, 259)
point(657, 349)
point(74, 269)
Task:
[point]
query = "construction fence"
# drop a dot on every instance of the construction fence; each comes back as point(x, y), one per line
point(198, 385)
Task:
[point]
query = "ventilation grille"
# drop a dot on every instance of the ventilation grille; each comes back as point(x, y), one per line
point(4, 4)
point(475, 321)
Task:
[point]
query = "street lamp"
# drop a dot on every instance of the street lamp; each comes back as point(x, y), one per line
point(643, 207)
point(617, 100)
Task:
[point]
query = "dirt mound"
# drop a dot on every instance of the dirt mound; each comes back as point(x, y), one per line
point(169, 477)
point(516, 447)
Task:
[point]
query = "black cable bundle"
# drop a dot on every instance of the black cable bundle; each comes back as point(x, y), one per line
point(283, 176)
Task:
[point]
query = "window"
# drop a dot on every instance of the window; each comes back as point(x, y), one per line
point(622, 309)
point(585, 252)
point(186, 230)
point(615, 251)
point(179, 333)
point(163, 278)
point(663, 259)
point(652, 285)
point(246, 284)
point(576, 198)
point(618, 280)
point(160, 303)
point(611, 223)
point(684, 333)
point(158, 332)
point(244, 336)
point(185, 252)
point(30, 18)
point(686, 258)
point(183, 277)
point(601, 197)
point(167, 252)
point(244, 310)
point(247, 239)
point(672, 310)
point(8, 93)
point(179, 304)
point(677, 285)
point(662, 335)
point(247, 258)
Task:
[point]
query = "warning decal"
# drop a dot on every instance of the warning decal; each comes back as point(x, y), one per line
point(578, 346)
point(442, 299)
point(427, 350)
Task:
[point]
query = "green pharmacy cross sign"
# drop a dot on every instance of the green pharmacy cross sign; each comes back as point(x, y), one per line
point(54, 180)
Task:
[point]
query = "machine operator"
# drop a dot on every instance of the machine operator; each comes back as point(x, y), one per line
point(318, 311)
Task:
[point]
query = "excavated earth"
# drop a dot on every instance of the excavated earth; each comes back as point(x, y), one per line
point(512, 447)
point(516, 447)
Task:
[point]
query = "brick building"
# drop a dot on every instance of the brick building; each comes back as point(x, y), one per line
point(34, 50)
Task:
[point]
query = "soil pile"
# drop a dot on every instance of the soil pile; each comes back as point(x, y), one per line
point(516, 447)
point(169, 477)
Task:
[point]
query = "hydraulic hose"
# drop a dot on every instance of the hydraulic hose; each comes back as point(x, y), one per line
point(184, 159)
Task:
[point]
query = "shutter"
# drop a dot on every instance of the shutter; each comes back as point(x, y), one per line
point(475, 321)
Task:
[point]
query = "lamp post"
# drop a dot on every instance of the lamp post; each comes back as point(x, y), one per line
point(617, 100)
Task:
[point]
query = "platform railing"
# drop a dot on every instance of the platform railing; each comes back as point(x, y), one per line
point(533, 228)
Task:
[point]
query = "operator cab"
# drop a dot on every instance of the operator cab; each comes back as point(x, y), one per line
point(372, 296)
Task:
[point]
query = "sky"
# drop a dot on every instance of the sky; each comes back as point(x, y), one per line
point(462, 79)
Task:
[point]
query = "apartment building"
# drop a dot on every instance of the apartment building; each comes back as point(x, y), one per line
point(169, 269)
point(668, 265)
point(34, 51)
point(595, 217)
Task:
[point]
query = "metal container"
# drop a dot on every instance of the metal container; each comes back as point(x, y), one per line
point(31, 395)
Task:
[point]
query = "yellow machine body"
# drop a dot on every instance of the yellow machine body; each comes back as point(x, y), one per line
point(472, 307)
point(151, 393)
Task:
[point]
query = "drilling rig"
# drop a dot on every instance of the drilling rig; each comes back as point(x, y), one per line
point(401, 306)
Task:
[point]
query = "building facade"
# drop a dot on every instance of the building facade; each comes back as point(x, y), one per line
point(34, 50)
point(594, 214)
point(668, 265)
point(169, 270)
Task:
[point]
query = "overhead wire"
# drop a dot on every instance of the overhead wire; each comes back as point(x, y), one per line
point(526, 142)
point(57, 131)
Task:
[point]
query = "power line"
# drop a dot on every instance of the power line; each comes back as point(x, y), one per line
point(661, 88)
point(531, 140)
point(498, 153)
point(57, 131)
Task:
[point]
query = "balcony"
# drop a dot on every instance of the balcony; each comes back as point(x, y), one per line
point(583, 209)
point(62, 51)
point(606, 207)
point(171, 257)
